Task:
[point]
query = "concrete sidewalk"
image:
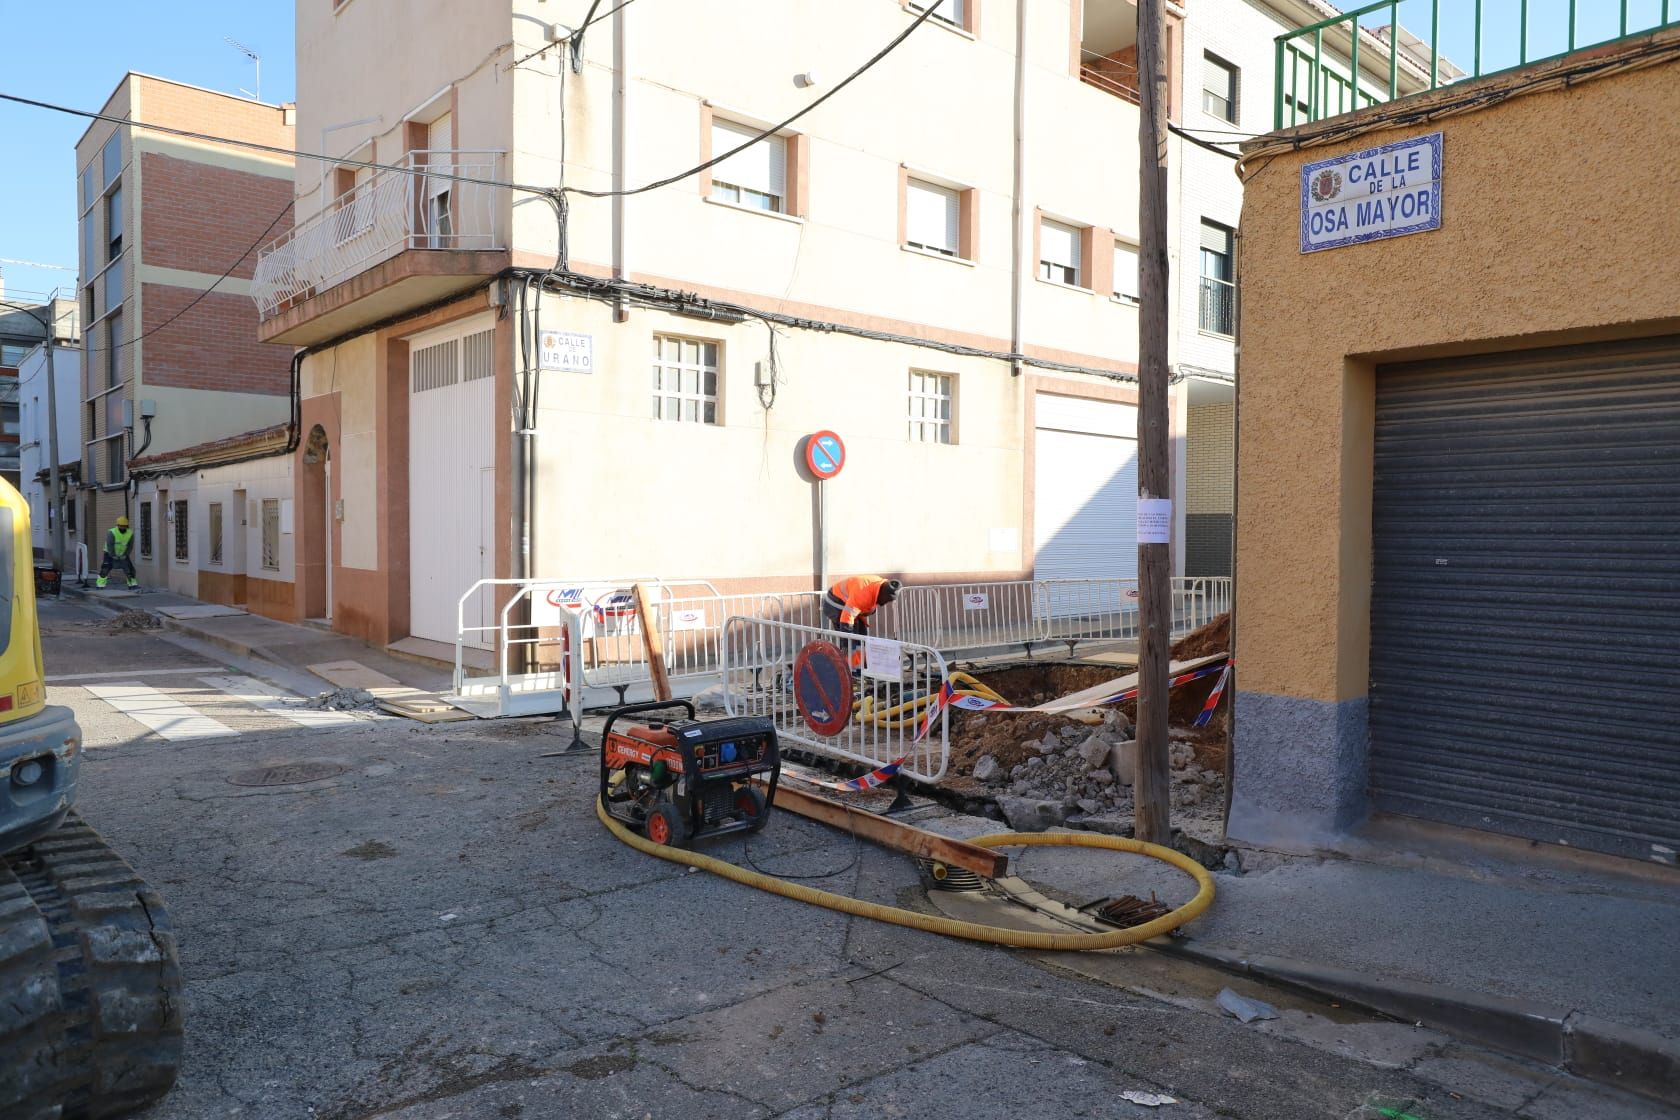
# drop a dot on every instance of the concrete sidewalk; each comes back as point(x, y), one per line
point(1569, 959)
point(280, 643)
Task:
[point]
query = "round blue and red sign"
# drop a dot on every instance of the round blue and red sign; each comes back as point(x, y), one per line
point(825, 454)
point(822, 687)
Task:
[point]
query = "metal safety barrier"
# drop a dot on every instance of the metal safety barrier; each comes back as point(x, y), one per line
point(888, 710)
point(583, 648)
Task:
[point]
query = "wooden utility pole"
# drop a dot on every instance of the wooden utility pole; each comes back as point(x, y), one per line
point(1152, 786)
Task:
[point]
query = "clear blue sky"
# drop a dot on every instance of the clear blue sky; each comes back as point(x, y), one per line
point(1596, 21)
point(75, 54)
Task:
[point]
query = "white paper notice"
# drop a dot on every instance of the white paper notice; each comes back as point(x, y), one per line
point(881, 659)
point(1154, 521)
point(688, 620)
point(976, 601)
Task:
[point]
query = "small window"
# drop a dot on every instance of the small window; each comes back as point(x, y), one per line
point(1219, 88)
point(755, 176)
point(932, 218)
point(181, 526)
point(685, 379)
point(110, 159)
point(145, 530)
point(1126, 272)
point(930, 407)
point(116, 469)
point(1058, 253)
point(1219, 288)
point(271, 534)
point(90, 186)
point(10, 422)
point(114, 224)
point(12, 353)
point(113, 349)
point(215, 526)
point(953, 12)
point(70, 516)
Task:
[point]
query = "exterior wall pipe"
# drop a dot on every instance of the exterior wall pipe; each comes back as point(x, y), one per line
point(1017, 236)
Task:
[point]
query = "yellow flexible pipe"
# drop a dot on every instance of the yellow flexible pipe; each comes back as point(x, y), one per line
point(951, 927)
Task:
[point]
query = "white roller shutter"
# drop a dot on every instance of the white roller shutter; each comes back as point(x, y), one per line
point(761, 167)
point(931, 217)
point(1085, 489)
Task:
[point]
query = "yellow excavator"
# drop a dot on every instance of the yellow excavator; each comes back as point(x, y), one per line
point(90, 1022)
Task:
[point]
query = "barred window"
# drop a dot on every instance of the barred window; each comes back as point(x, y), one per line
point(271, 534)
point(930, 407)
point(181, 539)
point(215, 532)
point(145, 530)
point(685, 379)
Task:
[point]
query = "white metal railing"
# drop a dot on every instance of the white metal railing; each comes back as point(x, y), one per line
point(585, 642)
point(438, 200)
point(888, 713)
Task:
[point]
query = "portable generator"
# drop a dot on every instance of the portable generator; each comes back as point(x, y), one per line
point(681, 780)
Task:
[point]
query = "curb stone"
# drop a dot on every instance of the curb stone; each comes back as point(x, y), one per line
point(1588, 1046)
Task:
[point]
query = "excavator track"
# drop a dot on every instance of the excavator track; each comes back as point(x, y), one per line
point(90, 982)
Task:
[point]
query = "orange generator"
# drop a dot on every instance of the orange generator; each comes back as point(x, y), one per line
point(682, 780)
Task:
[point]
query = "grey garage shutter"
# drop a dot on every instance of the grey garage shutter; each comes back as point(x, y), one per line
point(1525, 614)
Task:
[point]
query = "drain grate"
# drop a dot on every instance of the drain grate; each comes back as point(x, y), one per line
point(287, 774)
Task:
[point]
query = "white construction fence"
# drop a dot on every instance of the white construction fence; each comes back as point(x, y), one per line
point(582, 647)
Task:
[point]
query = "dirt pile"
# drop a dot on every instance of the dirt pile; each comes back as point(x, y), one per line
point(1204, 641)
point(132, 620)
point(343, 700)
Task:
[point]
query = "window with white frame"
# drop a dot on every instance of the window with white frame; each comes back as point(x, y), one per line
point(953, 12)
point(932, 218)
point(930, 407)
point(271, 534)
point(1218, 305)
point(1125, 271)
point(685, 379)
point(756, 176)
point(1219, 87)
point(1058, 253)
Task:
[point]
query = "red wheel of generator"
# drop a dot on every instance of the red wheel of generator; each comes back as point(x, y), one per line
point(663, 826)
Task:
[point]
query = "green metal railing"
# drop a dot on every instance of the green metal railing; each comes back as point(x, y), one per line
point(1311, 86)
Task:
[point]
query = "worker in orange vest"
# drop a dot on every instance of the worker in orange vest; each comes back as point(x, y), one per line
point(848, 604)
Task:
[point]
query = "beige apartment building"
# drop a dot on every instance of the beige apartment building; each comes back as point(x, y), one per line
point(495, 385)
point(171, 358)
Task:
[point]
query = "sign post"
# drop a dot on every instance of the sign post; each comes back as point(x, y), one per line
point(825, 455)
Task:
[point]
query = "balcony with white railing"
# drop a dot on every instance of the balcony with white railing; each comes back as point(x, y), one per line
point(406, 236)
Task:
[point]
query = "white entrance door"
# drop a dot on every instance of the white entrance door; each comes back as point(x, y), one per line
point(451, 478)
point(1085, 489)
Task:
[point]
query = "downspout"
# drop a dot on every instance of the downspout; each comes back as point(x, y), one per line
point(621, 112)
point(1017, 239)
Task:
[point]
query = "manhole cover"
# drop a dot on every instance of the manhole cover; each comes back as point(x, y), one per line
point(287, 774)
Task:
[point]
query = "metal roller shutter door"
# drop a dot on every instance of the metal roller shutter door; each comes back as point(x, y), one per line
point(1525, 613)
point(1085, 489)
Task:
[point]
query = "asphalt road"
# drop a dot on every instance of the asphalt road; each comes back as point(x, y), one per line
point(437, 927)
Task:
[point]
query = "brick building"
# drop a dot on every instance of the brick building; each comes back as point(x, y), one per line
point(171, 357)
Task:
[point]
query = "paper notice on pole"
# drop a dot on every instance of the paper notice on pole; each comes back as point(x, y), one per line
point(1154, 521)
point(881, 659)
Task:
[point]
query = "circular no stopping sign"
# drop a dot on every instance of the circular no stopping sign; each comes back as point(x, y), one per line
point(825, 454)
point(822, 687)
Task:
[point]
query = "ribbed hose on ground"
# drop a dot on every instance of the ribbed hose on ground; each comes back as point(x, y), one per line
point(952, 927)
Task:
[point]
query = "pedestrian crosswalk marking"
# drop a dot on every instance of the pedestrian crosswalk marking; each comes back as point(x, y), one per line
point(287, 705)
point(169, 718)
point(66, 678)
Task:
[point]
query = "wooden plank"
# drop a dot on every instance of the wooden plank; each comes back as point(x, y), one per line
point(653, 641)
point(894, 834)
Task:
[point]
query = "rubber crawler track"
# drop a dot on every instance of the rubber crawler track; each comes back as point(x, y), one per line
point(90, 983)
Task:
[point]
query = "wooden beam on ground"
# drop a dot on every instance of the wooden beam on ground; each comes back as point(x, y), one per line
point(894, 834)
point(653, 641)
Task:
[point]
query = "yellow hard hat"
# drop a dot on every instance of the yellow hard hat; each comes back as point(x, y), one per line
point(122, 522)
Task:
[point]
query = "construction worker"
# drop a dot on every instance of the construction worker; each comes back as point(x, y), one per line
point(119, 542)
point(847, 605)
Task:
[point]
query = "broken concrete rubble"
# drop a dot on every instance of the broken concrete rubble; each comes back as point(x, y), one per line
point(1030, 815)
point(989, 771)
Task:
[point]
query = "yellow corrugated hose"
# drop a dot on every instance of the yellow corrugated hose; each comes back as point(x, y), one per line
point(951, 927)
